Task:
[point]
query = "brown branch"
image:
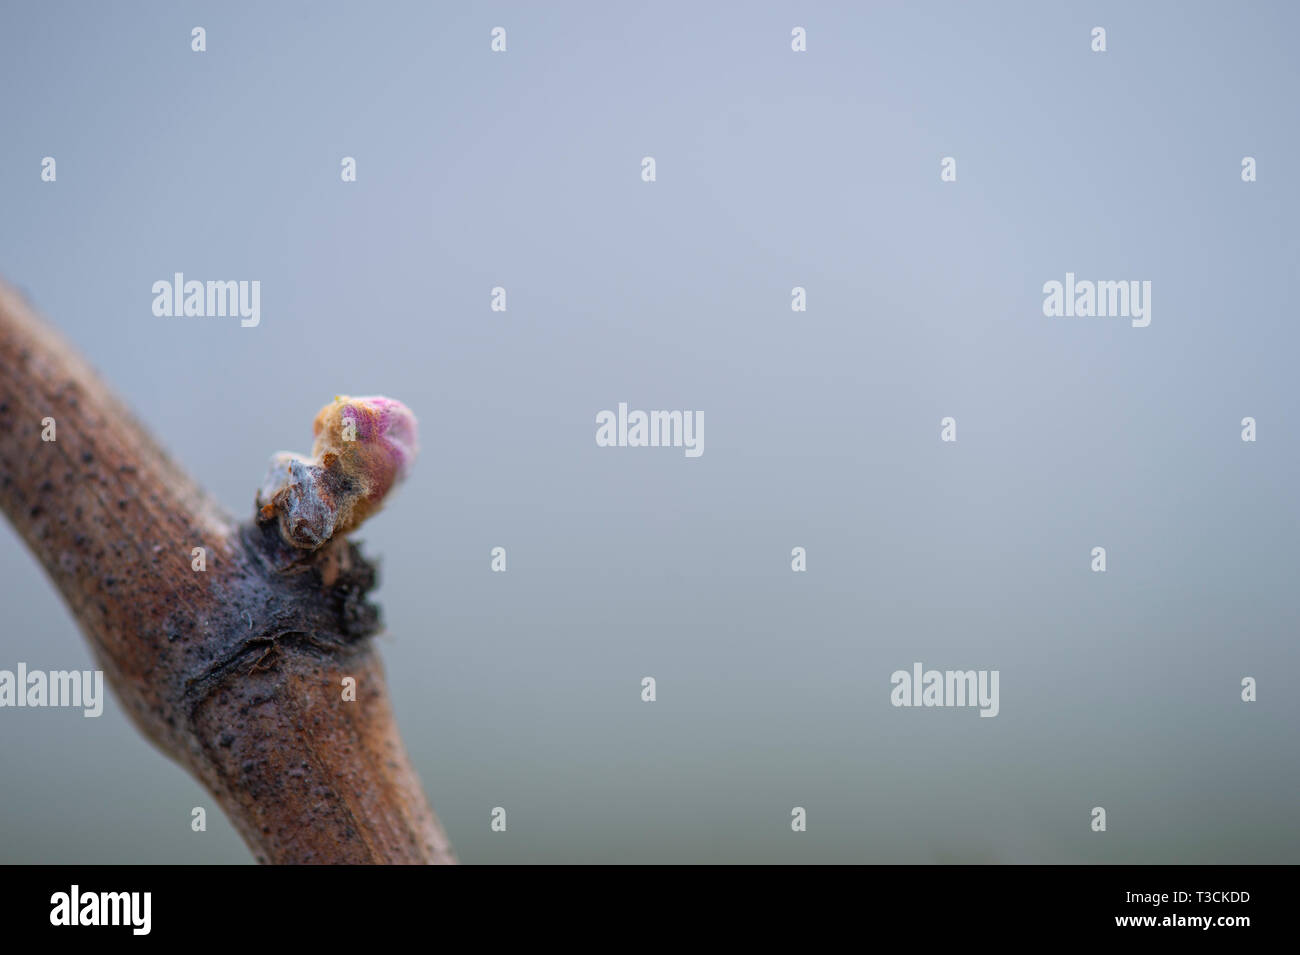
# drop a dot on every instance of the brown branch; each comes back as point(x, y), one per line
point(235, 671)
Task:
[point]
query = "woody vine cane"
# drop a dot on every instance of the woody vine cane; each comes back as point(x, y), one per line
point(236, 671)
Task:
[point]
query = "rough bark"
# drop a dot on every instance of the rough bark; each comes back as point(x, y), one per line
point(235, 671)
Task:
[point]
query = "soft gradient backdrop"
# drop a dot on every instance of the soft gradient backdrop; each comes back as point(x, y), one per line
point(775, 169)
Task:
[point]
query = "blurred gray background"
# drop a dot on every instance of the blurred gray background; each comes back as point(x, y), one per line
point(775, 169)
